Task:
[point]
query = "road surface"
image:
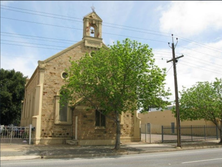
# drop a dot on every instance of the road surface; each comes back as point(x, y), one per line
point(188, 158)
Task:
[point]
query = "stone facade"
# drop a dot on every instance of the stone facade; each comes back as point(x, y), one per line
point(41, 103)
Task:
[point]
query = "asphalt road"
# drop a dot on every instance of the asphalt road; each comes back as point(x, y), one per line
point(188, 158)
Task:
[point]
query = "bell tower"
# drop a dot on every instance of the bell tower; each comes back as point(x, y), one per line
point(92, 30)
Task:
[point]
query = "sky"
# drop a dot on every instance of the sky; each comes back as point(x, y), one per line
point(36, 30)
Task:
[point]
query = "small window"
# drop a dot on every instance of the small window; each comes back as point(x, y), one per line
point(64, 75)
point(63, 112)
point(100, 119)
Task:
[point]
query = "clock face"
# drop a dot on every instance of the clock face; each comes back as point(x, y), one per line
point(93, 15)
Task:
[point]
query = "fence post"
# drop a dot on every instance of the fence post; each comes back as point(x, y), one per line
point(204, 132)
point(191, 133)
point(162, 134)
point(150, 133)
point(76, 127)
point(145, 132)
point(11, 133)
point(216, 132)
point(30, 133)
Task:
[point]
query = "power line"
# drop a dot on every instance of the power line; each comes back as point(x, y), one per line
point(103, 32)
point(135, 37)
point(169, 69)
point(62, 47)
point(29, 46)
point(199, 60)
point(205, 62)
point(20, 57)
point(204, 65)
point(79, 29)
point(202, 68)
point(41, 23)
point(119, 35)
point(56, 39)
point(10, 35)
point(203, 45)
point(77, 20)
point(185, 63)
point(33, 36)
point(199, 52)
point(52, 15)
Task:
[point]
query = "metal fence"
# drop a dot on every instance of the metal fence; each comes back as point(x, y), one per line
point(15, 134)
point(151, 133)
point(157, 133)
point(190, 133)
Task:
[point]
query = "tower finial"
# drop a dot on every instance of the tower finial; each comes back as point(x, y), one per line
point(93, 8)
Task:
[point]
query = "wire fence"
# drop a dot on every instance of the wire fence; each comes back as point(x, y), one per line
point(160, 134)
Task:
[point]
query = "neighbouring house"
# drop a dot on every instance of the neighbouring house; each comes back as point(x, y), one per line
point(54, 124)
point(154, 120)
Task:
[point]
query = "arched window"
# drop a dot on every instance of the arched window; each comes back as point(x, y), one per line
point(63, 113)
point(63, 109)
point(92, 32)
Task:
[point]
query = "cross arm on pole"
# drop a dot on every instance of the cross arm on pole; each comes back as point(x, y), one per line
point(175, 58)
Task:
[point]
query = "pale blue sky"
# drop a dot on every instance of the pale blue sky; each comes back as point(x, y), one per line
point(32, 31)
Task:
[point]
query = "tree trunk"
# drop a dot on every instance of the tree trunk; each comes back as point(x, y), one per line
point(117, 145)
point(220, 129)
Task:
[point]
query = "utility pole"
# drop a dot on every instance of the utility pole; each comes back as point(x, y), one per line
point(174, 59)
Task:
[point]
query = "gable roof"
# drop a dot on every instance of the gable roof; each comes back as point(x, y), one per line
point(95, 17)
point(91, 15)
point(63, 51)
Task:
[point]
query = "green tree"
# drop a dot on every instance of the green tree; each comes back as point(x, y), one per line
point(203, 101)
point(121, 78)
point(11, 95)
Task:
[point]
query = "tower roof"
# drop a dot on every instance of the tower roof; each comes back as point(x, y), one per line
point(92, 15)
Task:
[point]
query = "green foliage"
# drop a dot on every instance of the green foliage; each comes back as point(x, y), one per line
point(121, 78)
point(202, 101)
point(11, 95)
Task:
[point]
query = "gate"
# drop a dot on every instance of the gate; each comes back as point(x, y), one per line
point(16, 134)
point(151, 133)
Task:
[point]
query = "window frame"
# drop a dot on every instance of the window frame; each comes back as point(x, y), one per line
point(57, 113)
point(100, 119)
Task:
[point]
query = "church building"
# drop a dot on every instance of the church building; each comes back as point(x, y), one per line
point(55, 125)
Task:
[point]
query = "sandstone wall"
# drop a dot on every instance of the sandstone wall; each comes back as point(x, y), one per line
point(51, 133)
point(29, 100)
point(87, 130)
point(52, 83)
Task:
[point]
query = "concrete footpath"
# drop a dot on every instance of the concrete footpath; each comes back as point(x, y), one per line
point(23, 151)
